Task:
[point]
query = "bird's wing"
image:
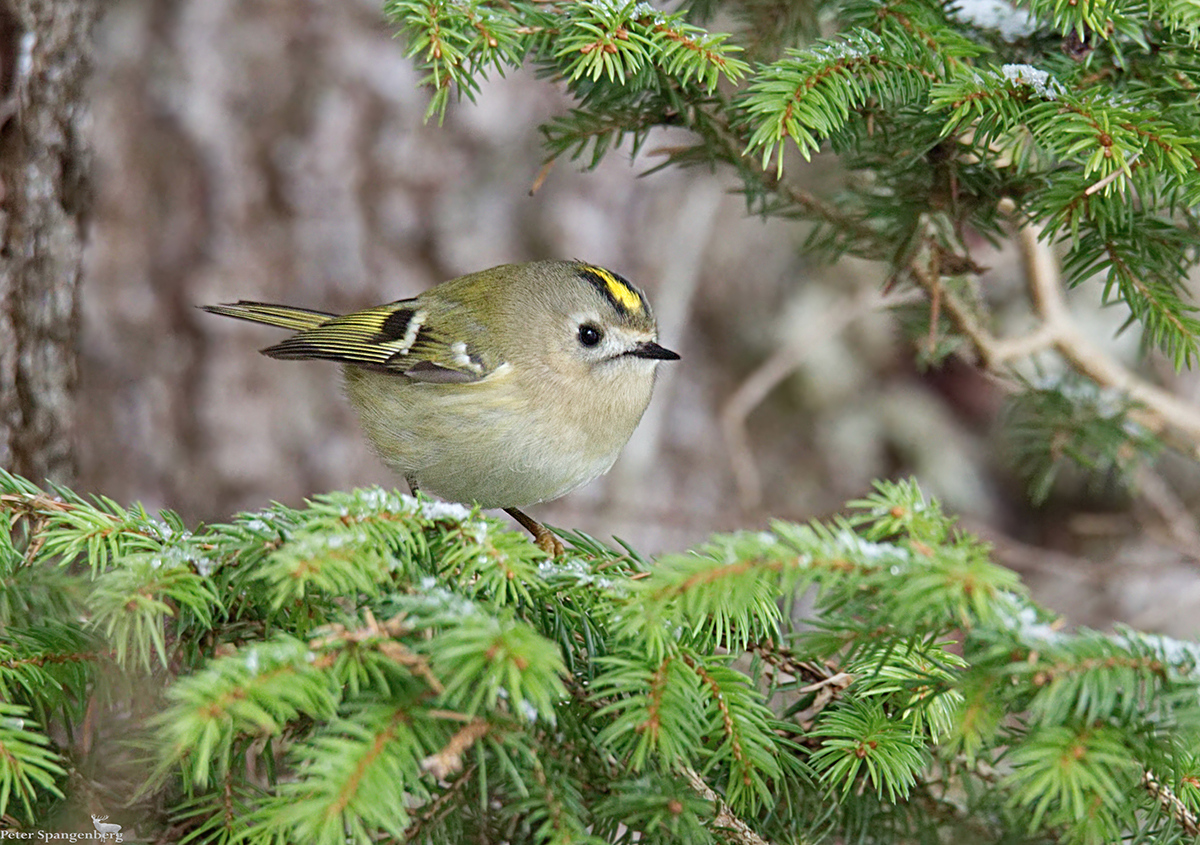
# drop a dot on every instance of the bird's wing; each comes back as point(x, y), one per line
point(401, 337)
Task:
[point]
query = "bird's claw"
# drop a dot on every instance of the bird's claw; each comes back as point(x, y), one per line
point(549, 543)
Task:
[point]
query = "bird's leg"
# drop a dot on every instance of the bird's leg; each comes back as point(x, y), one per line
point(412, 486)
point(542, 536)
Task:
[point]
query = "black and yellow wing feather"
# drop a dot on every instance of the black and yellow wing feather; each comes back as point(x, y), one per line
point(283, 316)
point(398, 337)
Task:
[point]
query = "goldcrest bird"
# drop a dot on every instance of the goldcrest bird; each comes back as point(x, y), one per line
point(505, 388)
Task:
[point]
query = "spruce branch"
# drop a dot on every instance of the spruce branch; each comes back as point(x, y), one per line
point(624, 42)
point(918, 653)
point(29, 765)
point(860, 743)
point(810, 94)
point(381, 637)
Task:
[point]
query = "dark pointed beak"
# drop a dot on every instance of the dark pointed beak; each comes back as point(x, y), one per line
point(652, 350)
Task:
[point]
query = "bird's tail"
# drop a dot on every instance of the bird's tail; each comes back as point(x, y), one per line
point(282, 316)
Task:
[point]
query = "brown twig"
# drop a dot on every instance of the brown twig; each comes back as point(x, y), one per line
point(448, 760)
point(993, 352)
point(438, 805)
point(826, 680)
point(1162, 412)
point(1112, 177)
point(1170, 802)
point(725, 822)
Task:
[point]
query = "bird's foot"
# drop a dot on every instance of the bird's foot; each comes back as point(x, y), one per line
point(548, 542)
point(543, 537)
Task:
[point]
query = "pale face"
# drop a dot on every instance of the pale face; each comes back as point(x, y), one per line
point(597, 341)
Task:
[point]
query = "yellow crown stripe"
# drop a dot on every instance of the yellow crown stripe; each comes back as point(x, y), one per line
point(619, 290)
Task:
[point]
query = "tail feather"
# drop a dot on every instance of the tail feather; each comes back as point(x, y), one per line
point(281, 316)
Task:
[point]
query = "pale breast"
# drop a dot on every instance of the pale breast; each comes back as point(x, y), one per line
point(487, 442)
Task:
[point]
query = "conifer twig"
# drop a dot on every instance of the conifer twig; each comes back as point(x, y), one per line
point(1170, 802)
point(440, 804)
point(725, 822)
point(448, 760)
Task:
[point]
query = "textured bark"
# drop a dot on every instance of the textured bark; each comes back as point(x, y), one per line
point(45, 47)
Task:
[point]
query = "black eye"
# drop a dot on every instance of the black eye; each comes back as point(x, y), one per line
point(590, 334)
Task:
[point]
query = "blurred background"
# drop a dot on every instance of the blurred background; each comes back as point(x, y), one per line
point(275, 150)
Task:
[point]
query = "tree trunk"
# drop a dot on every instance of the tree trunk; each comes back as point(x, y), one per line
point(45, 52)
